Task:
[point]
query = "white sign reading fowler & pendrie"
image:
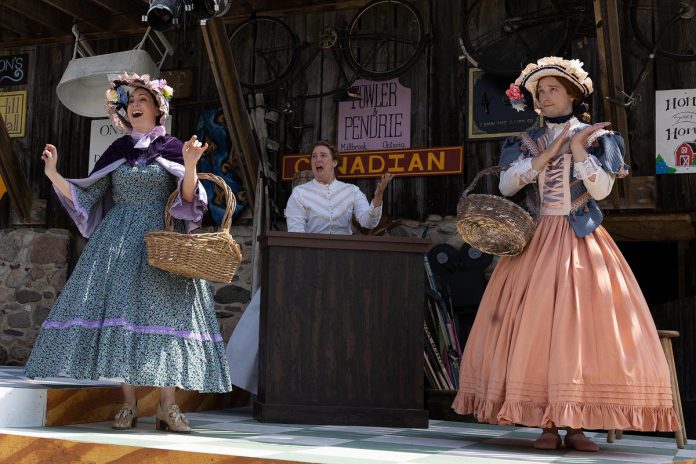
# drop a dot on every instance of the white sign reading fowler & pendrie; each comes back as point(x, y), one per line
point(379, 120)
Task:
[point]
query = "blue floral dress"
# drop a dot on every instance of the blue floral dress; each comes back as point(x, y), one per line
point(117, 316)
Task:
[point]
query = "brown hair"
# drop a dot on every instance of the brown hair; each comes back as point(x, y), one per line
point(575, 94)
point(332, 150)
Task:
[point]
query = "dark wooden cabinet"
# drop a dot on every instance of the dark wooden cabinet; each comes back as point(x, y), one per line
point(341, 330)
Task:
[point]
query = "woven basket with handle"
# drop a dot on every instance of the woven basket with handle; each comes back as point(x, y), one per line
point(491, 223)
point(211, 256)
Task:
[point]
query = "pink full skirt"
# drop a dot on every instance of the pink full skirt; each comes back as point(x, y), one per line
point(564, 337)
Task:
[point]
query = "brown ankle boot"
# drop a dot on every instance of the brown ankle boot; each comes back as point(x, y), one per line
point(548, 441)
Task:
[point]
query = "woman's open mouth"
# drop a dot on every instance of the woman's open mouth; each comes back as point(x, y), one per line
point(137, 113)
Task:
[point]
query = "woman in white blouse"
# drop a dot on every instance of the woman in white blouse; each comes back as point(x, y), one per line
point(324, 205)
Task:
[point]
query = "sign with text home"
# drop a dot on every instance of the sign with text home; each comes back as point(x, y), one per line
point(380, 119)
point(675, 131)
point(367, 164)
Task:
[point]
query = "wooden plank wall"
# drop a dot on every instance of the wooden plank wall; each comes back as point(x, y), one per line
point(438, 83)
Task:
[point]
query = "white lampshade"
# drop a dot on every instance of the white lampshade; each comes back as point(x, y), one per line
point(82, 87)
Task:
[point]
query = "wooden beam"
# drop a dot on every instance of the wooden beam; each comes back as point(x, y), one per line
point(7, 35)
point(244, 142)
point(17, 23)
point(121, 6)
point(127, 22)
point(126, 14)
point(42, 14)
point(611, 84)
point(241, 10)
point(619, 113)
point(18, 188)
point(85, 15)
point(651, 227)
point(69, 38)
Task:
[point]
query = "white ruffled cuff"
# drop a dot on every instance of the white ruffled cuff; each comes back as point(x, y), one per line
point(525, 171)
point(586, 169)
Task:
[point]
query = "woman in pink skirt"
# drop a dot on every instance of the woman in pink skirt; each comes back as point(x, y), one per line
point(563, 337)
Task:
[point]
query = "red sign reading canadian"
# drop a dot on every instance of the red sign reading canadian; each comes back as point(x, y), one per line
point(366, 164)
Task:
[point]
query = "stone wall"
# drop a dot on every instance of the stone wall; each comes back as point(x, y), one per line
point(33, 269)
point(232, 298)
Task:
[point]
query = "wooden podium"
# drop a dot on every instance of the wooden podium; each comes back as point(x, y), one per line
point(341, 330)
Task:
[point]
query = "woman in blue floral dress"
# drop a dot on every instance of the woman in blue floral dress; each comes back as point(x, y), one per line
point(118, 317)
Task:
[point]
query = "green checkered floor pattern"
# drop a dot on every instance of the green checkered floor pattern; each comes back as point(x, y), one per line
point(235, 432)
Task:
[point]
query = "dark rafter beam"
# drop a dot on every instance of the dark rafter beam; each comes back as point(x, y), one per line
point(42, 14)
point(121, 6)
point(130, 20)
point(86, 15)
point(114, 15)
point(7, 35)
point(69, 38)
point(18, 23)
point(241, 10)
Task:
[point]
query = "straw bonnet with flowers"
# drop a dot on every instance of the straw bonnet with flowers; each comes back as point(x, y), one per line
point(571, 70)
point(563, 336)
point(116, 97)
point(120, 314)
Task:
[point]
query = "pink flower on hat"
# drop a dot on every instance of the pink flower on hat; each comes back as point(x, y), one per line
point(514, 92)
point(516, 97)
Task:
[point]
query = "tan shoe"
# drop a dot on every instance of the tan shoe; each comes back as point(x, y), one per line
point(126, 417)
point(579, 442)
point(173, 420)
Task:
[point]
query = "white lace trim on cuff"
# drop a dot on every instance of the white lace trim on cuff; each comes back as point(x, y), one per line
point(586, 169)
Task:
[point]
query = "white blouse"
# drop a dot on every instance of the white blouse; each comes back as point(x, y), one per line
point(328, 208)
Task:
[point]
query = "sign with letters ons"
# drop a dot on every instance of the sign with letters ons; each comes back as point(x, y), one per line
point(13, 69)
point(380, 120)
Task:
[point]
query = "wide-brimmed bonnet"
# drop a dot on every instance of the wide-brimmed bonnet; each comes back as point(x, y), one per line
point(555, 66)
point(116, 97)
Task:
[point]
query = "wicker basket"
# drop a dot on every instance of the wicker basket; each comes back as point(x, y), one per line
point(493, 224)
point(210, 256)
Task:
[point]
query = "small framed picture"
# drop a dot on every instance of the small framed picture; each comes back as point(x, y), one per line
point(490, 116)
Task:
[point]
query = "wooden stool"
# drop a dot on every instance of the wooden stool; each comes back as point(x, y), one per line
point(666, 337)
